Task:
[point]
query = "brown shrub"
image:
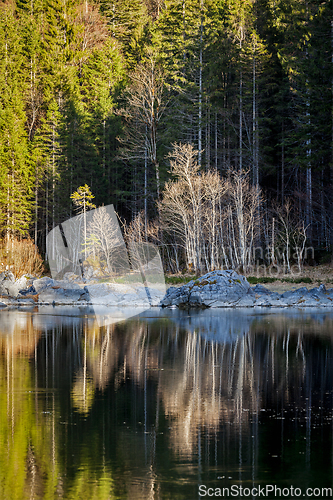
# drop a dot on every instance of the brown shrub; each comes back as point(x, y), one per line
point(21, 257)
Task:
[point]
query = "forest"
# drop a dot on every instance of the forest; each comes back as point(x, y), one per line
point(206, 123)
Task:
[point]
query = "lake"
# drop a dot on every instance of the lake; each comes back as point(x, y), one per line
point(169, 404)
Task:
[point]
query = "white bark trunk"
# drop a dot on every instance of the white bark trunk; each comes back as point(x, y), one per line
point(241, 105)
point(200, 94)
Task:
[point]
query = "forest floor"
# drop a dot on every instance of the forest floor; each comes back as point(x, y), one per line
point(311, 276)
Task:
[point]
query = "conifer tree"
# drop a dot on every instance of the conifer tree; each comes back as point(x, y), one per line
point(82, 201)
point(17, 176)
point(303, 49)
point(128, 22)
point(102, 79)
point(179, 38)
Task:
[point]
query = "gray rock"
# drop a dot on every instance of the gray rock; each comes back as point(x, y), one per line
point(8, 301)
point(26, 302)
point(27, 291)
point(263, 301)
point(295, 293)
point(66, 285)
point(7, 275)
point(42, 283)
point(259, 289)
point(214, 289)
point(23, 283)
point(247, 300)
point(64, 296)
point(11, 287)
point(7, 280)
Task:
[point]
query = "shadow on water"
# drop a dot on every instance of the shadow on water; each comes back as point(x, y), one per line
point(155, 406)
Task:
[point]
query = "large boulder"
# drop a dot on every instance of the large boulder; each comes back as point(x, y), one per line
point(50, 291)
point(214, 289)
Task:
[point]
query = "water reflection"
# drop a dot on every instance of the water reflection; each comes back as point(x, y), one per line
point(154, 406)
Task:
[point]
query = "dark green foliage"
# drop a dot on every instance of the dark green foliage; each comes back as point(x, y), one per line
point(16, 164)
point(253, 280)
point(247, 82)
point(175, 280)
point(129, 24)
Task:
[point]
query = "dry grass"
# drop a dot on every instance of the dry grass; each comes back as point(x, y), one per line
point(321, 274)
point(21, 257)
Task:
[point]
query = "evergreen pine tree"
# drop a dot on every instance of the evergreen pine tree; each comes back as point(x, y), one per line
point(17, 170)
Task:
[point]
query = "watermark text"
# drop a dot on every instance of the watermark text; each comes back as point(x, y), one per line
point(267, 491)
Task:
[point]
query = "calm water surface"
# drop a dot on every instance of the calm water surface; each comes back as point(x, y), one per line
point(155, 406)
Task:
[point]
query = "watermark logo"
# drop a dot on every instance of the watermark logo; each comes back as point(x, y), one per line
point(120, 280)
point(267, 491)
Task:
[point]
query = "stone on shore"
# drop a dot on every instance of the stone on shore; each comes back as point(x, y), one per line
point(214, 289)
point(62, 296)
point(11, 287)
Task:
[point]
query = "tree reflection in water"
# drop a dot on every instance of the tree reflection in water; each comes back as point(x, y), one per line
point(154, 406)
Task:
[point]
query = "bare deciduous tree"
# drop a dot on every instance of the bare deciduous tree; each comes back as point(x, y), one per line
point(291, 237)
point(245, 200)
point(102, 238)
point(299, 239)
point(145, 105)
point(182, 202)
point(215, 193)
point(216, 218)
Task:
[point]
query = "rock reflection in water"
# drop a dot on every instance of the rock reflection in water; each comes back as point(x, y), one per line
point(133, 408)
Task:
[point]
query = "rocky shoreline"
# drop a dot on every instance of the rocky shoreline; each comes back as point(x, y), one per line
point(217, 289)
point(32, 291)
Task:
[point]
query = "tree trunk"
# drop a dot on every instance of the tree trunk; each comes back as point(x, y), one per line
point(331, 204)
point(255, 147)
point(47, 204)
point(53, 174)
point(36, 205)
point(208, 138)
point(216, 144)
point(282, 165)
point(241, 104)
point(200, 92)
point(104, 147)
point(146, 191)
point(308, 212)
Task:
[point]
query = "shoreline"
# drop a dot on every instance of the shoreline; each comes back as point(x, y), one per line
point(217, 289)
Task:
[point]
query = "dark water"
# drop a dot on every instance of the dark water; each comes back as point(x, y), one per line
point(156, 406)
